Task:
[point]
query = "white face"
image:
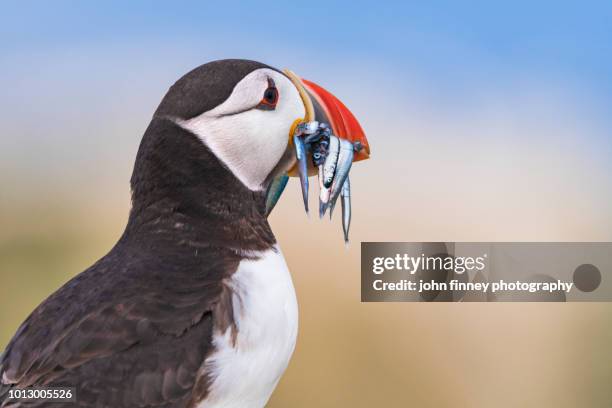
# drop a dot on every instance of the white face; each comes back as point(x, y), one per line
point(247, 135)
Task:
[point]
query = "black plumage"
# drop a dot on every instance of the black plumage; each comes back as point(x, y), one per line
point(134, 329)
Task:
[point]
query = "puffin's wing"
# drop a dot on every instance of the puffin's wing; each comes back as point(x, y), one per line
point(136, 341)
point(162, 373)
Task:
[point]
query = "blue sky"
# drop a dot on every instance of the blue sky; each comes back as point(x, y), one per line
point(545, 62)
point(573, 38)
point(447, 47)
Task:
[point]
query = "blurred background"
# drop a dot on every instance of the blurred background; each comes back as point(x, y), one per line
point(488, 122)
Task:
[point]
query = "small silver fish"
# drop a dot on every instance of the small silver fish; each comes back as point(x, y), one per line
point(329, 168)
point(345, 160)
point(333, 157)
point(346, 208)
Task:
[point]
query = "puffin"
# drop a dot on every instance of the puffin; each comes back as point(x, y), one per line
point(194, 306)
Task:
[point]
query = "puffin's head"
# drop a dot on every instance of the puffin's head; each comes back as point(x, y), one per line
point(245, 112)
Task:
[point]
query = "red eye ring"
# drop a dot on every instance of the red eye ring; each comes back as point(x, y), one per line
point(270, 97)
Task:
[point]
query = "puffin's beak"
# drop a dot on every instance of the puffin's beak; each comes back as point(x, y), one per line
point(328, 140)
point(329, 109)
point(322, 106)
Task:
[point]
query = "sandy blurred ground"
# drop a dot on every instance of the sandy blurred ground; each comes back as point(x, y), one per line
point(351, 354)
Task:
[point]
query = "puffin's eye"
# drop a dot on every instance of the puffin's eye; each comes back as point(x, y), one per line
point(270, 97)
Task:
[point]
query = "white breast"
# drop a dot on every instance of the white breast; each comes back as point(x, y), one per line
point(246, 372)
